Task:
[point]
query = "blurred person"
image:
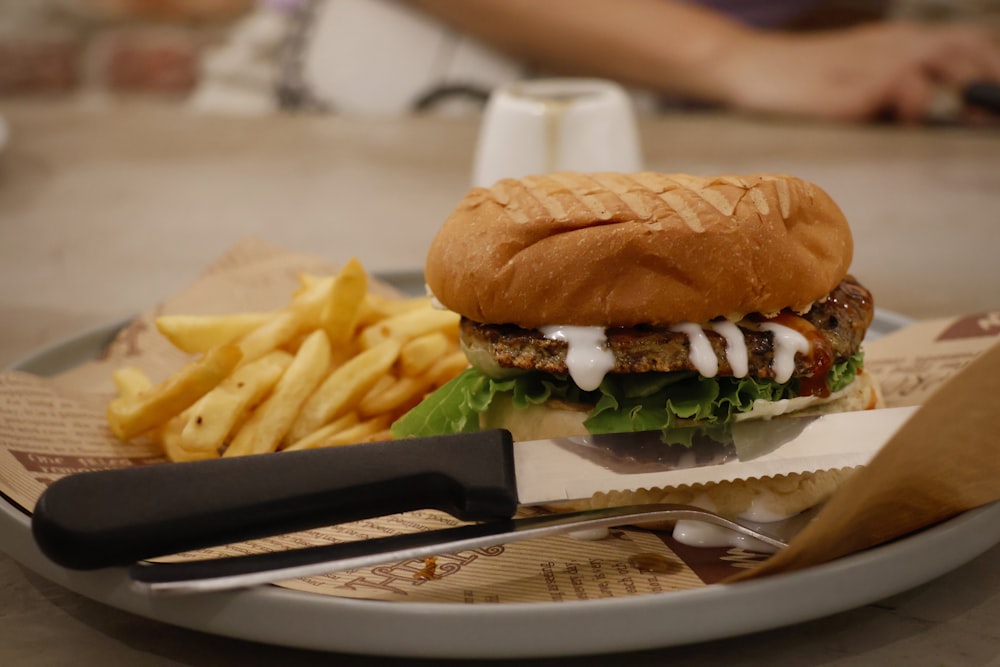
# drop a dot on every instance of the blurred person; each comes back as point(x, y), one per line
point(835, 59)
point(841, 61)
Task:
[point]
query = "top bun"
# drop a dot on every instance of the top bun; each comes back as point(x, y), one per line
point(609, 249)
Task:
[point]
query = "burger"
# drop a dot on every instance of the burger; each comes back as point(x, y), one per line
point(609, 302)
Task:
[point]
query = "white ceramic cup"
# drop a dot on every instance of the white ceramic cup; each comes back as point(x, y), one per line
point(545, 125)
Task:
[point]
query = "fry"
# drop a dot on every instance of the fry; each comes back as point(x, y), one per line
point(376, 307)
point(382, 384)
point(168, 437)
point(344, 387)
point(130, 382)
point(308, 281)
point(409, 325)
point(269, 423)
point(342, 309)
point(318, 437)
point(283, 325)
point(384, 434)
point(446, 368)
point(200, 333)
point(353, 434)
point(131, 417)
point(214, 416)
point(395, 397)
point(271, 335)
point(419, 354)
point(404, 393)
point(310, 301)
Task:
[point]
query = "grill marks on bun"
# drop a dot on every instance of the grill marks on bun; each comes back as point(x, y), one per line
point(611, 249)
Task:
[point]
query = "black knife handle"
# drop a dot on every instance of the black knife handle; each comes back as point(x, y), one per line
point(113, 517)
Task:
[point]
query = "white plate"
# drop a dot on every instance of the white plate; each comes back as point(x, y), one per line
point(280, 616)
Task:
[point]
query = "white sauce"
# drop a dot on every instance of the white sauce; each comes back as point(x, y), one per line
point(700, 349)
point(701, 534)
point(787, 343)
point(434, 300)
point(765, 409)
point(758, 512)
point(762, 408)
point(588, 357)
point(736, 347)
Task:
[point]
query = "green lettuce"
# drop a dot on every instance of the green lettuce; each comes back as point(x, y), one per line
point(628, 402)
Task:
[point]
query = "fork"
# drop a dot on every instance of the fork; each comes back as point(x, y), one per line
point(230, 572)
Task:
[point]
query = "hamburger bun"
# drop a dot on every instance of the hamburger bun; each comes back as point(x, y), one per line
point(620, 250)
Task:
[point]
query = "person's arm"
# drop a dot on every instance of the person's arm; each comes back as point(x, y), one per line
point(674, 47)
point(894, 67)
point(661, 46)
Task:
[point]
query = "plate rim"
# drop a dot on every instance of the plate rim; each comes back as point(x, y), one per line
point(510, 630)
point(325, 623)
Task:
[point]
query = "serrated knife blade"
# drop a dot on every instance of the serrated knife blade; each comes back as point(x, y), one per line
point(580, 466)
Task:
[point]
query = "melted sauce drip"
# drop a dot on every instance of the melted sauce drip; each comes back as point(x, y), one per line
point(588, 357)
point(819, 351)
point(700, 351)
point(701, 534)
point(787, 343)
point(736, 347)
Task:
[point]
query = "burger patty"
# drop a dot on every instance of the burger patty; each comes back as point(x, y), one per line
point(835, 328)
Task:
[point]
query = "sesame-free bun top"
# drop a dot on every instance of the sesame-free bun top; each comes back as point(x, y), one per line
point(610, 249)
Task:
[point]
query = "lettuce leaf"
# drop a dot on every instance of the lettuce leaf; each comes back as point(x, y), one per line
point(629, 402)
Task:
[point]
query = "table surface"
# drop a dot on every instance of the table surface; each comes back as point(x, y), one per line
point(102, 214)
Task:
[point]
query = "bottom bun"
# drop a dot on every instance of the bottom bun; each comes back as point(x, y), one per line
point(758, 499)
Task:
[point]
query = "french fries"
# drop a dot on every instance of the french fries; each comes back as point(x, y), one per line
point(344, 388)
point(420, 353)
point(341, 310)
point(216, 414)
point(200, 333)
point(335, 366)
point(408, 325)
point(269, 423)
point(130, 382)
point(129, 417)
point(169, 437)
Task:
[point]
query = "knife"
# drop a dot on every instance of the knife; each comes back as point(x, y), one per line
point(115, 517)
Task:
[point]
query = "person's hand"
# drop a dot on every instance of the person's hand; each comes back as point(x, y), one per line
point(895, 68)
